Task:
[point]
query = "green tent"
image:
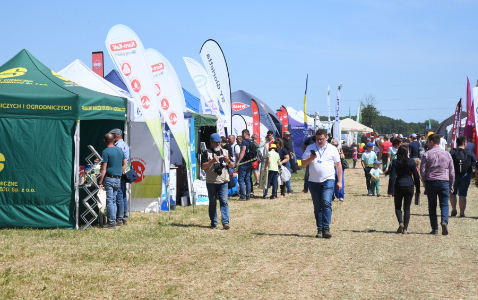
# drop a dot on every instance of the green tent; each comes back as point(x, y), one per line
point(40, 114)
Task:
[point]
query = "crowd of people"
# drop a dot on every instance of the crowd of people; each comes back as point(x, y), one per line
point(408, 162)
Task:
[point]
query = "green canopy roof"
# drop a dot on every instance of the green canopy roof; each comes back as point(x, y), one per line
point(28, 89)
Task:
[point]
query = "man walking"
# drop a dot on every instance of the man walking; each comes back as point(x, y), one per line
point(121, 196)
point(414, 149)
point(215, 162)
point(463, 160)
point(438, 175)
point(322, 158)
point(112, 168)
point(443, 143)
point(245, 170)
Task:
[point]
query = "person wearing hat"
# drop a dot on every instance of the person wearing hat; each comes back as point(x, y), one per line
point(113, 165)
point(375, 177)
point(368, 158)
point(273, 164)
point(121, 196)
point(216, 162)
point(443, 143)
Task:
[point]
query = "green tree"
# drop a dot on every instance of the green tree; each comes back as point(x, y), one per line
point(370, 113)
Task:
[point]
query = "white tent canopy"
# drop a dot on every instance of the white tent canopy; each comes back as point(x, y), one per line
point(350, 125)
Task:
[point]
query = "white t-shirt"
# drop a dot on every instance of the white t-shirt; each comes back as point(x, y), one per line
point(443, 143)
point(323, 167)
point(233, 152)
point(237, 150)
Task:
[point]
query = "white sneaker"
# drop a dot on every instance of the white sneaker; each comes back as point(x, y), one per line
point(341, 199)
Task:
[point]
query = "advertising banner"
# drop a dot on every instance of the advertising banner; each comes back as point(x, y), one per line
point(456, 126)
point(475, 112)
point(216, 66)
point(128, 55)
point(279, 115)
point(164, 206)
point(285, 121)
point(256, 123)
point(97, 63)
point(207, 91)
point(171, 98)
point(470, 113)
point(193, 150)
point(306, 127)
point(337, 134)
point(328, 108)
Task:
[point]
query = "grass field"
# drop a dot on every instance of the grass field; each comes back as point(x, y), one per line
point(270, 252)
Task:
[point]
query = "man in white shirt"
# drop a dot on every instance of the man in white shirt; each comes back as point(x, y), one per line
point(231, 139)
point(323, 159)
point(443, 144)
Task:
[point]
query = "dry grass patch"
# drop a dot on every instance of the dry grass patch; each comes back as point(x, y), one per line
point(269, 253)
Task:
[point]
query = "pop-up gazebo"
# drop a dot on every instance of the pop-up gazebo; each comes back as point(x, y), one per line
point(40, 150)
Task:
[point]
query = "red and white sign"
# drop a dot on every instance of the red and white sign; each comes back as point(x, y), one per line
point(157, 67)
point(138, 166)
point(123, 46)
point(158, 89)
point(173, 118)
point(97, 63)
point(145, 102)
point(256, 128)
point(164, 104)
point(126, 68)
point(237, 106)
point(136, 85)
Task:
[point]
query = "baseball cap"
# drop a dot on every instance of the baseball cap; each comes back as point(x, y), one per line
point(116, 131)
point(215, 137)
point(400, 135)
point(377, 162)
point(287, 132)
point(273, 146)
point(370, 145)
point(413, 135)
point(442, 134)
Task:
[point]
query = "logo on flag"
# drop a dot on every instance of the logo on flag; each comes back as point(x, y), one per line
point(136, 85)
point(97, 64)
point(237, 106)
point(123, 46)
point(158, 89)
point(165, 104)
point(157, 67)
point(145, 102)
point(173, 118)
point(13, 72)
point(126, 68)
point(138, 166)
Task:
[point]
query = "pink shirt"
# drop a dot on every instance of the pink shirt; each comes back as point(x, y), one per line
point(437, 164)
point(385, 145)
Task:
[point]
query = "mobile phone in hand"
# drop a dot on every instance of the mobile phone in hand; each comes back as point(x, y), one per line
point(313, 152)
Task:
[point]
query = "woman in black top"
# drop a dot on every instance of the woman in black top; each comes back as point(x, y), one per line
point(284, 157)
point(401, 183)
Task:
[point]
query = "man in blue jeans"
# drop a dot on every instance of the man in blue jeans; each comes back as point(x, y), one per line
point(122, 196)
point(113, 164)
point(438, 175)
point(245, 170)
point(216, 163)
point(323, 159)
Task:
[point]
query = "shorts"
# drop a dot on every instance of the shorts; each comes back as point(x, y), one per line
point(461, 185)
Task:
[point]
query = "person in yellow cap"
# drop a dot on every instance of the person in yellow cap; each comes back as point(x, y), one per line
point(273, 164)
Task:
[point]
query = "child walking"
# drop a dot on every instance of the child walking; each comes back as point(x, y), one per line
point(354, 156)
point(368, 158)
point(375, 180)
point(273, 164)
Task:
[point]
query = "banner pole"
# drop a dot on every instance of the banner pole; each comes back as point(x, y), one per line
point(77, 173)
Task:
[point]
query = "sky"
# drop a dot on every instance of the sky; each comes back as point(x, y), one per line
point(412, 56)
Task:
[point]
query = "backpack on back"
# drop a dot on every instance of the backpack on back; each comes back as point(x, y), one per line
point(252, 153)
point(460, 161)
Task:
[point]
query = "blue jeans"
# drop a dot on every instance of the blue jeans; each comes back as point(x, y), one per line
point(442, 190)
point(272, 180)
point(111, 186)
point(244, 177)
point(306, 179)
point(322, 198)
point(341, 193)
point(287, 184)
point(121, 202)
point(220, 190)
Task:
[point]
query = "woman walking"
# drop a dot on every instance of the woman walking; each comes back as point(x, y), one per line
point(401, 183)
point(284, 158)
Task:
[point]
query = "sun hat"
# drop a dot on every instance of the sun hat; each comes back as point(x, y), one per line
point(273, 146)
point(215, 137)
point(287, 132)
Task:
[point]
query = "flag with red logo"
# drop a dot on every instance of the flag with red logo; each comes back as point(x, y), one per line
point(285, 120)
point(128, 55)
point(456, 122)
point(97, 63)
point(470, 114)
point(206, 89)
point(215, 63)
point(256, 124)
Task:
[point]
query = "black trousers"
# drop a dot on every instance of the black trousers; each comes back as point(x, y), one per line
point(403, 194)
point(368, 177)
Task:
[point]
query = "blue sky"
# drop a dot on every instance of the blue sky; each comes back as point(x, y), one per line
point(413, 56)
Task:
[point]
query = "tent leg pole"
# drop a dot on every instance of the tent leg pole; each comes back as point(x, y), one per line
point(127, 128)
point(77, 174)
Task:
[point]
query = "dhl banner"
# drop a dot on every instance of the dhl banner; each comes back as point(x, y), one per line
point(216, 66)
point(285, 120)
point(256, 122)
point(206, 89)
point(97, 63)
point(128, 55)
